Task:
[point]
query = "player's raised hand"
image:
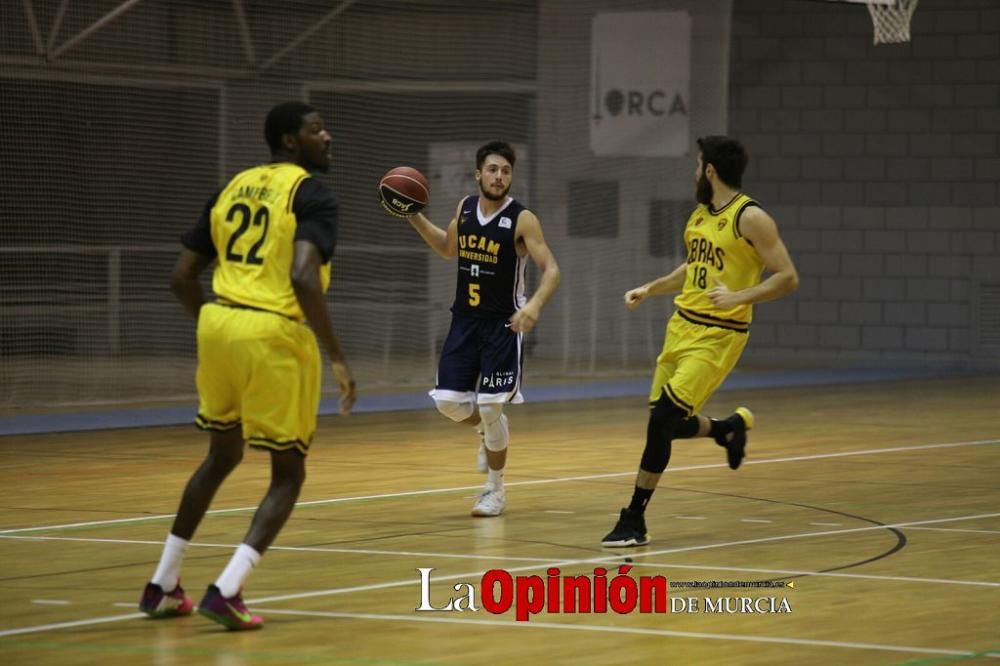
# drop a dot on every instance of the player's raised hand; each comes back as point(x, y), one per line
point(635, 296)
point(348, 388)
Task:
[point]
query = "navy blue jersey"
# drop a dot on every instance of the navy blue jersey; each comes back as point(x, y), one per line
point(490, 281)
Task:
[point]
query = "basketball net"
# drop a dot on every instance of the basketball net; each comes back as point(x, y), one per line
point(892, 22)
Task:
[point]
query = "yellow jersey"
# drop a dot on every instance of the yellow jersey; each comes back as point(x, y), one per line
point(716, 250)
point(253, 225)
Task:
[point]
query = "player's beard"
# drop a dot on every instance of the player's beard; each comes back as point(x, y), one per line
point(703, 190)
point(493, 197)
point(320, 159)
point(321, 163)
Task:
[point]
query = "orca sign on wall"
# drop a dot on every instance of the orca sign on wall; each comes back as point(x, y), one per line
point(640, 84)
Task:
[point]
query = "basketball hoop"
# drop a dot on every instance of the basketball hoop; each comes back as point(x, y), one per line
point(891, 21)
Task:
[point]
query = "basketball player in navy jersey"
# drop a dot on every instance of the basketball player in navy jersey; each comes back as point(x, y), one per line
point(480, 367)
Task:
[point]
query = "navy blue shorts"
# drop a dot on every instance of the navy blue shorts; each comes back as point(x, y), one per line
point(481, 360)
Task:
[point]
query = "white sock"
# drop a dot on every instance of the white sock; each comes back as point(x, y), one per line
point(494, 479)
point(230, 581)
point(168, 572)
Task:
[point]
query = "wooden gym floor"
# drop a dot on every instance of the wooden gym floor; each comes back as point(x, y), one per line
point(880, 502)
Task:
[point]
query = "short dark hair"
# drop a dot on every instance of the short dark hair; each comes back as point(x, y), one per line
point(282, 119)
point(727, 155)
point(501, 148)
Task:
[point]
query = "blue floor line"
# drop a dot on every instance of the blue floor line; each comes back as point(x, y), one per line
point(179, 415)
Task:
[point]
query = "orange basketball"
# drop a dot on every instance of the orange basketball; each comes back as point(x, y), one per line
point(404, 191)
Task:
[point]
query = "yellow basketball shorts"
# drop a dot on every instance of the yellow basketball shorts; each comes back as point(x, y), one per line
point(695, 360)
point(261, 371)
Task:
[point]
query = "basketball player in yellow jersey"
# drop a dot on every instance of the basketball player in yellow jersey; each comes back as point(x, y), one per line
point(271, 232)
point(730, 243)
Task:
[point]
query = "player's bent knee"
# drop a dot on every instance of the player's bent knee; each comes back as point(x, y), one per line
point(456, 411)
point(665, 417)
point(494, 427)
point(490, 413)
point(655, 457)
point(288, 468)
point(664, 420)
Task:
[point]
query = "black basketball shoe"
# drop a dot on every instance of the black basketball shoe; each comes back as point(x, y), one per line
point(735, 441)
point(630, 530)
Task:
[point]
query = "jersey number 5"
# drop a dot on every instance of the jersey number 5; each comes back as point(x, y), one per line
point(473, 294)
point(247, 217)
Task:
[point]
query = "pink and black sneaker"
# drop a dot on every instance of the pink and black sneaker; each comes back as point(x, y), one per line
point(159, 604)
point(231, 613)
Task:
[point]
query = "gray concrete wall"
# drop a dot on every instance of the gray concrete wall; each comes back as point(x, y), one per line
point(880, 164)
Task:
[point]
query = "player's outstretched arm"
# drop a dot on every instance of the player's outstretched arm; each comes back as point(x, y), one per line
point(760, 229)
point(184, 280)
point(529, 230)
point(671, 283)
point(442, 241)
point(309, 292)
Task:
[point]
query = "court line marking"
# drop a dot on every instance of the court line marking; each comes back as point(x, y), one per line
point(303, 549)
point(512, 558)
point(754, 520)
point(955, 529)
point(802, 535)
point(437, 491)
point(52, 602)
point(824, 574)
point(628, 630)
point(68, 625)
point(538, 625)
point(473, 574)
point(612, 559)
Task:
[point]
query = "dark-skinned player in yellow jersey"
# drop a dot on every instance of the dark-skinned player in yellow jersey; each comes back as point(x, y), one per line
point(271, 233)
point(731, 242)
